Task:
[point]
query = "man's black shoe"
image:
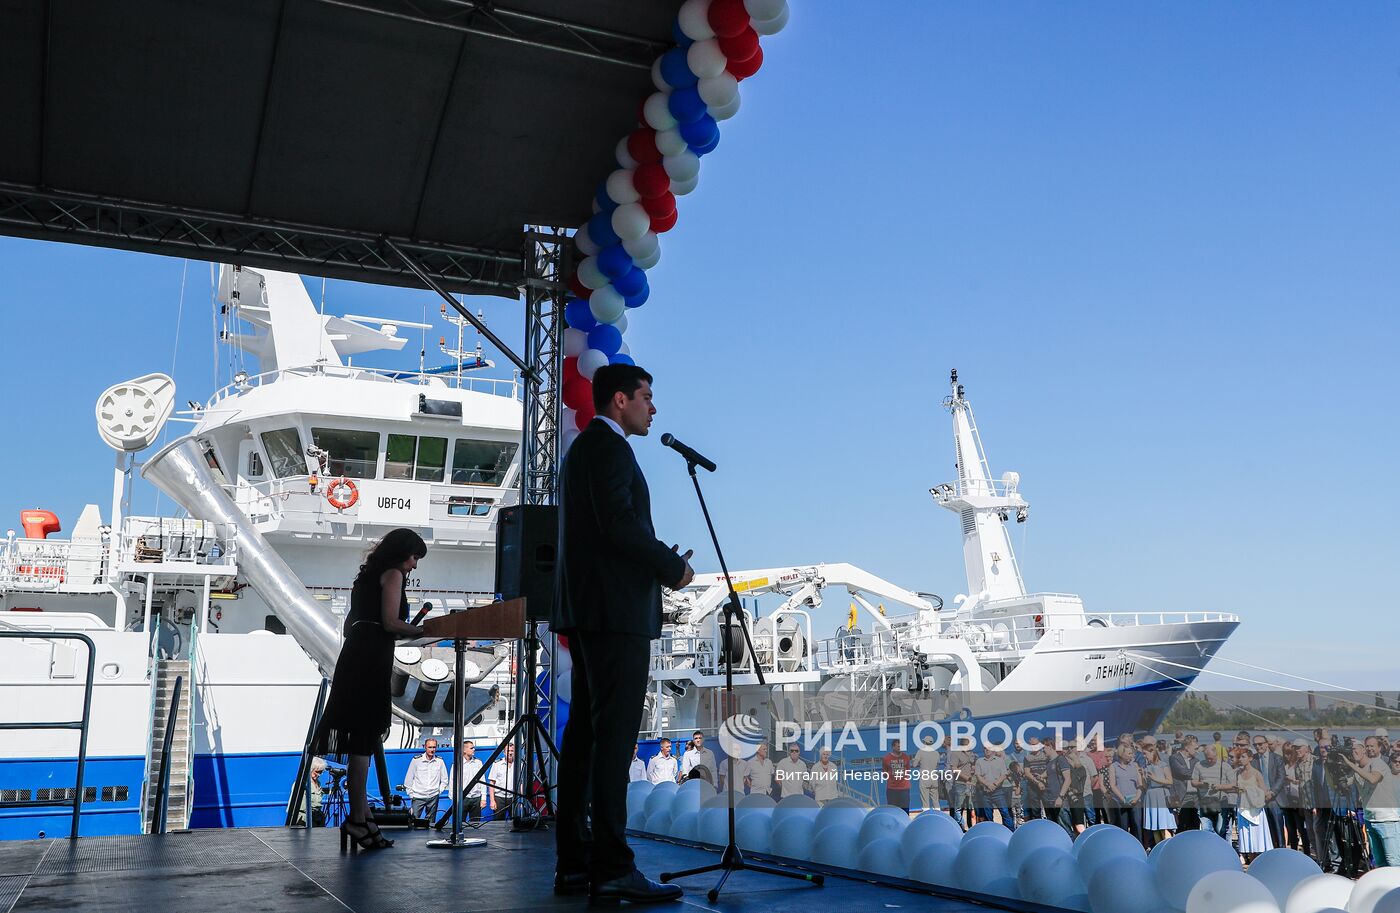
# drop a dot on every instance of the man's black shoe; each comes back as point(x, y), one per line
point(634, 887)
point(570, 882)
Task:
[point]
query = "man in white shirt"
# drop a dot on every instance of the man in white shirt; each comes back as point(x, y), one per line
point(1383, 808)
point(425, 781)
point(638, 768)
point(700, 756)
point(662, 767)
point(471, 807)
point(791, 773)
point(926, 763)
point(825, 778)
point(758, 773)
point(502, 776)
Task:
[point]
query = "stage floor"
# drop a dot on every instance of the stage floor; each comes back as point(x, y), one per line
point(279, 869)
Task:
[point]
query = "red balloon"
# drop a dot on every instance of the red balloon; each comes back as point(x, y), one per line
point(578, 289)
point(661, 224)
point(641, 145)
point(728, 17)
point(642, 112)
point(578, 394)
point(570, 369)
point(743, 69)
point(741, 46)
point(586, 414)
point(659, 207)
point(651, 180)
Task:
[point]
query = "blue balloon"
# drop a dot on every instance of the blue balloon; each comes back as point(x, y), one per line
point(606, 338)
point(701, 132)
point(578, 315)
point(687, 106)
point(682, 38)
point(614, 261)
point(600, 229)
point(675, 71)
point(706, 149)
point(620, 359)
point(631, 283)
point(607, 203)
point(639, 299)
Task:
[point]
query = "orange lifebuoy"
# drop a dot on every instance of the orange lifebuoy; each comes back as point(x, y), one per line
point(342, 494)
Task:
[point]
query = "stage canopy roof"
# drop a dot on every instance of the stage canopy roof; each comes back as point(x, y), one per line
point(318, 135)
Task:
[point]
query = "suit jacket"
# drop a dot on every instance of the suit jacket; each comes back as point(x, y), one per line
point(1273, 777)
point(611, 565)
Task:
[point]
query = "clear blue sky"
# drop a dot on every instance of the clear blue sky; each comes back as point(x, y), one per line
point(1159, 241)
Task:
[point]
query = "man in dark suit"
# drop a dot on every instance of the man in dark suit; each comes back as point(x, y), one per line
point(608, 603)
point(1270, 765)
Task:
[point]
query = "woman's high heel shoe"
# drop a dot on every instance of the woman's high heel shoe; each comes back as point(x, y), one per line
point(382, 842)
point(353, 841)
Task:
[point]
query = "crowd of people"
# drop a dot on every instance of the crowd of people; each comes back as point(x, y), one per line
point(1335, 799)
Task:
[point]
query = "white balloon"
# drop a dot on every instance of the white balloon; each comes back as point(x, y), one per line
point(588, 364)
point(624, 350)
point(844, 811)
point(648, 261)
point(656, 111)
point(656, 80)
point(880, 825)
point(835, 845)
point(605, 304)
point(637, 821)
point(1124, 884)
point(724, 112)
point(640, 247)
point(792, 836)
point(1187, 858)
point(718, 90)
point(575, 341)
point(1094, 849)
point(621, 188)
point(881, 857)
point(764, 9)
point(567, 438)
point(1311, 895)
point(630, 221)
point(694, 19)
point(596, 206)
point(706, 59)
point(981, 860)
point(682, 167)
point(925, 830)
point(686, 825)
point(754, 833)
point(659, 799)
point(585, 241)
point(1004, 886)
point(569, 419)
point(660, 822)
point(935, 864)
point(1049, 874)
point(754, 804)
point(681, 188)
point(771, 26)
point(589, 273)
point(1230, 892)
point(1281, 869)
point(624, 155)
point(799, 806)
point(714, 822)
point(988, 829)
point(670, 142)
point(1390, 903)
point(621, 322)
point(1035, 834)
point(1370, 888)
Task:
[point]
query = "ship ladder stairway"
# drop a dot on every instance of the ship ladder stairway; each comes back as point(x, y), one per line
point(179, 783)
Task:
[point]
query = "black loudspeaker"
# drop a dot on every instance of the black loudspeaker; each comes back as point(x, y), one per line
point(527, 544)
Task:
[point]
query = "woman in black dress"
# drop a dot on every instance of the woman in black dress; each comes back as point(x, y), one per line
point(358, 711)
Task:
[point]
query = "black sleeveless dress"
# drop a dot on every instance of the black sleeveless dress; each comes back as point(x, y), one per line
point(358, 711)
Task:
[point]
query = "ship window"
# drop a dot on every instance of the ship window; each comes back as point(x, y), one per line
point(425, 465)
point(481, 462)
point(353, 454)
point(255, 465)
point(283, 448)
point(469, 507)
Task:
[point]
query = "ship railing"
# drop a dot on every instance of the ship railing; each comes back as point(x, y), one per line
point(178, 540)
point(48, 564)
point(507, 387)
point(81, 725)
point(1002, 633)
point(946, 491)
point(291, 499)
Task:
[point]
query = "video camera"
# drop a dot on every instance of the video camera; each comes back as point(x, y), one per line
point(1339, 772)
point(337, 773)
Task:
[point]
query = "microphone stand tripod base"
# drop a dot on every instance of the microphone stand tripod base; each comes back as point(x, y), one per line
point(452, 842)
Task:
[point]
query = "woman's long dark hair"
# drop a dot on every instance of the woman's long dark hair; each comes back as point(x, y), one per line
point(391, 551)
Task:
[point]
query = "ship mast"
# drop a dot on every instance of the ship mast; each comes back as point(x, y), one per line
point(985, 507)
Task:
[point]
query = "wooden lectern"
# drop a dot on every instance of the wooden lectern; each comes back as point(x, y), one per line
point(497, 621)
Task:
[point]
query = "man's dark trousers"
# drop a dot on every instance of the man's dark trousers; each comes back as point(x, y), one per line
point(609, 688)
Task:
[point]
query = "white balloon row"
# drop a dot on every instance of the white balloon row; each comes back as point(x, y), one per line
point(1103, 870)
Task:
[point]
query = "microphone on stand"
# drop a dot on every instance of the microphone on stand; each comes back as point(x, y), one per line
point(691, 455)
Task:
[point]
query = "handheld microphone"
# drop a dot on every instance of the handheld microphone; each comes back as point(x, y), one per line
point(691, 455)
point(427, 607)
